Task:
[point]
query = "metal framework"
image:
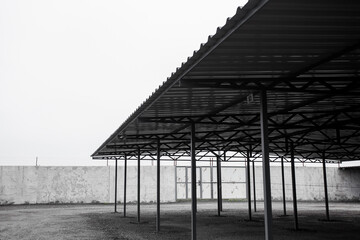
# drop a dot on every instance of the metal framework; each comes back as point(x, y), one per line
point(279, 80)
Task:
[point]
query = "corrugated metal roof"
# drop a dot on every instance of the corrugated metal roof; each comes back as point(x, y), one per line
point(304, 53)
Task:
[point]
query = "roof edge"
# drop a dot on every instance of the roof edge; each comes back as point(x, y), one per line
point(241, 16)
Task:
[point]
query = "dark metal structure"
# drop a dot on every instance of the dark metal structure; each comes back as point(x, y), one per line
point(248, 185)
point(283, 185)
point(125, 185)
point(280, 78)
point(116, 181)
point(254, 186)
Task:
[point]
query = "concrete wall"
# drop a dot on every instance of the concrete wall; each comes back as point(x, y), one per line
point(21, 185)
point(233, 182)
point(343, 184)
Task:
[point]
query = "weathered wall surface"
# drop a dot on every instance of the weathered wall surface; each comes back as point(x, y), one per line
point(21, 185)
point(233, 182)
point(343, 184)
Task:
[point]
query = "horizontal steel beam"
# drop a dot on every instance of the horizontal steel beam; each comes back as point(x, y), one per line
point(313, 85)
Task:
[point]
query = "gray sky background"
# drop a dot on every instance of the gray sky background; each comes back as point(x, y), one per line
point(72, 71)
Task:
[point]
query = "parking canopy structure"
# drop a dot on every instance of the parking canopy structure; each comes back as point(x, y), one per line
point(280, 78)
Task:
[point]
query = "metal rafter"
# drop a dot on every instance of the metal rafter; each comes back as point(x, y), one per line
point(312, 85)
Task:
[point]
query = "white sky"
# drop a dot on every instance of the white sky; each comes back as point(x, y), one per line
point(72, 71)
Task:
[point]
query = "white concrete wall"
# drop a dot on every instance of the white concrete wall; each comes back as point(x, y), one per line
point(233, 182)
point(343, 184)
point(21, 185)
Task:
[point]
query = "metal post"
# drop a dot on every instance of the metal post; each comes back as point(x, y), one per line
point(116, 167)
point(200, 182)
point(218, 183)
point(283, 185)
point(211, 179)
point(326, 189)
point(254, 187)
point(186, 183)
point(220, 177)
point(248, 187)
point(266, 166)
point(176, 182)
point(138, 186)
point(193, 184)
point(294, 186)
point(125, 172)
point(158, 188)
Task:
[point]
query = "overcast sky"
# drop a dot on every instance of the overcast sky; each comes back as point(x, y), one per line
point(72, 71)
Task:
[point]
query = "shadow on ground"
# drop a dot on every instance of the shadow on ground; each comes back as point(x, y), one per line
point(100, 222)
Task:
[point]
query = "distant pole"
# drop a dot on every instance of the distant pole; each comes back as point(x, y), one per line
point(116, 168)
point(36, 161)
point(186, 183)
point(158, 187)
point(253, 168)
point(325, 188)
point(211, 178)
point(248, 185)
point(125, 177)
point(283, 184)
point(220, 182)
point(138, 186)
point(218, 179)
point(294, 187)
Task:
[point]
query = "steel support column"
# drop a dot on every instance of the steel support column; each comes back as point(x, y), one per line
point(248, 186)
point(283, 185)
point(211, 179)
point(125, 177)
point(220, 177)
point(176, 183)
point(116, 167)
point(138, 187)
point(186, 183)
point(158, 187)
point(266, 166)
point(254, 186)
point(218, 167)
point(326, 189)
point(200, 183)
point(193, 184)
point(294, 186)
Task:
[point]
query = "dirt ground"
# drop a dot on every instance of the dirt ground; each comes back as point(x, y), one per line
point(100, 221)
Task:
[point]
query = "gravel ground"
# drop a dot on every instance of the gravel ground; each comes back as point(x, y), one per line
point(100, 222)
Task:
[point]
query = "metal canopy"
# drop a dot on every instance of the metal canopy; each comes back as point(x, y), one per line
point(305, 54)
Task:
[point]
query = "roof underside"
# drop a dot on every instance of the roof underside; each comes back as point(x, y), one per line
point(304, 53)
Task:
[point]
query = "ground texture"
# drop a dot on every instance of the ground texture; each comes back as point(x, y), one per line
point(100, 221)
